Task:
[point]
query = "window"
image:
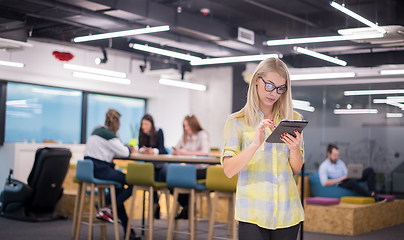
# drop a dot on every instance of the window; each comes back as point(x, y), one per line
point(37, 113)
point(131, 110)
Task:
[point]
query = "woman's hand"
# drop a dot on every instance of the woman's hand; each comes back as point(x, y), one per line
point(292, 142)
point(146, 150)
point(260, 132)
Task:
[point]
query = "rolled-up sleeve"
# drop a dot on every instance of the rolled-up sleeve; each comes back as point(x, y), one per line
point(231, 140)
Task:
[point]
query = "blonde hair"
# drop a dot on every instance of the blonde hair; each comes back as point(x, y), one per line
point(283, 106)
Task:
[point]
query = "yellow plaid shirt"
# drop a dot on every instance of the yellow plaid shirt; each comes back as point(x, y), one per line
point(266, 190)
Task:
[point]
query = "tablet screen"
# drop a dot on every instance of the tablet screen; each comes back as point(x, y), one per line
point(288, 126)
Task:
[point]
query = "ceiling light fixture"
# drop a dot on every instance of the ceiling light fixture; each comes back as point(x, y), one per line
point(248, 58)
point(57, 92)
point(302, 105)
point(12, 64)
point(355, 111)
point(321, 76)
point(389, 102)
point(396, 99)
point(101, 78)
point(394, 115)
point(392, 72)
point(163, 52)
point(320, 56)
point(182, 84)
point(373, 92)
point(357, 17)
point(321, 39)
point(122, 33)
point(94, 70)
point(98, 60)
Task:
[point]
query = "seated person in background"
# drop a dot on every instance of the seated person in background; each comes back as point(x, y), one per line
point(101, 147)
point(151, 141)
point(333, 171)
point(194, 142)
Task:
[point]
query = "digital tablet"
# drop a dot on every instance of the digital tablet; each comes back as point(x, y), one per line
point(288, 126)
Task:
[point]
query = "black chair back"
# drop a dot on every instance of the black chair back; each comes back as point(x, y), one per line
point(47, 176)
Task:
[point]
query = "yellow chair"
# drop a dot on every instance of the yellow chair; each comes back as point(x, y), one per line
point(222, 186)
point(141, 176)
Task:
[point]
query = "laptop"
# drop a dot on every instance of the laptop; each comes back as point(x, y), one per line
point(355, 171)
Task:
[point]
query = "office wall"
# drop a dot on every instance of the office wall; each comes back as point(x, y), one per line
point(168, 105)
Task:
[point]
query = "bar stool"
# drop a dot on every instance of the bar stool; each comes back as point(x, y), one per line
point(85, 174)
point(141, 176)
point(76, 205)
point(222, 186)
point(183, 179)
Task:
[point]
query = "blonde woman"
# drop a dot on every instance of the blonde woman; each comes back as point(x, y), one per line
point(267, 200)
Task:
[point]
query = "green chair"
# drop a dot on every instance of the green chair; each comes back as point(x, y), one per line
point(141, 176)
point(222, 186)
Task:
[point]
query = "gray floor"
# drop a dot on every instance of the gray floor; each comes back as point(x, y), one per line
point(61, 229)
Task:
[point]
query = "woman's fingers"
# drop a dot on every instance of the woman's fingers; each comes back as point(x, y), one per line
point(290, 140)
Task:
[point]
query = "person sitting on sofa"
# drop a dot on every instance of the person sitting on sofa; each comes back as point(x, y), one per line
point(333, 171)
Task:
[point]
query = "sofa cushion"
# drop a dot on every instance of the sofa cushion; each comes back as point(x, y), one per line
point(358, 200)
point(322, 200)
point(390, 198)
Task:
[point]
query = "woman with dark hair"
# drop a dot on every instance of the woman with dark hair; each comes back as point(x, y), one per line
point(194, 142)
point(151, 141)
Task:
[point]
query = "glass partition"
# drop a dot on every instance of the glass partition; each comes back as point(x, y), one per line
point(38, 113)
point(131, 110)
point(374, 139)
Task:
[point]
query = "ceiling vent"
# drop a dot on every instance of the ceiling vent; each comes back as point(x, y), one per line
point(245, 35)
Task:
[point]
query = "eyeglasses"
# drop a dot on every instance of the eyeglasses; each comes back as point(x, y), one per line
point(270, 86)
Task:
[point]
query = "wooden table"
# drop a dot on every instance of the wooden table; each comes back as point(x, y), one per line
point(172, 158)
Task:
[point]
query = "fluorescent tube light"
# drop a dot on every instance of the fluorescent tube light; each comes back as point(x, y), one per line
point(163, 52)
point(321, 39)
point(389, 102)
point(320, 56)
point(302, 105)
point(305, 108)
point(11, 64)
point(394, 115)
point(373, 92)
point(182, 84)
point(355, 111)
point(392, 72)
point(322, 76)
point(122, 33)
point(57, 92)
point(397, 99)
point(95, 70)
point(247, 58)
point(357, 17)
point(101, 78)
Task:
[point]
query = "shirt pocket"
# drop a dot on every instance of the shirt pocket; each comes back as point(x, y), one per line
point(248, 137)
